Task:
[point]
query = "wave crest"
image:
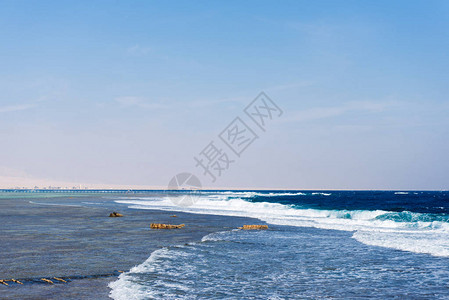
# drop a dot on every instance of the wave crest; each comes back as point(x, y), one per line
point(372, 227)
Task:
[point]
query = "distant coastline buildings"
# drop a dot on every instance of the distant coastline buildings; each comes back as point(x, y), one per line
point(80, 187)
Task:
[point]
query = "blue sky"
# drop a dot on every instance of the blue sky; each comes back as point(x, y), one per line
point(127, 92)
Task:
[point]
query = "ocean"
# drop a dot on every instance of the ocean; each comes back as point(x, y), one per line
point(320, 244)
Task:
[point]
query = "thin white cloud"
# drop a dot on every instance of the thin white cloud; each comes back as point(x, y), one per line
point(288, 86)
point(131, 101)
point(217, 101)
point(12, 108)
point(329, 112)
point(138, 50)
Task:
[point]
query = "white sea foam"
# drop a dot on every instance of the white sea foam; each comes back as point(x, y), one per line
point(322, 194)
point(259, 194)
point(127, 287)
point(405, 231)
point(435, 243)
point(215, 236)
point(377, 227)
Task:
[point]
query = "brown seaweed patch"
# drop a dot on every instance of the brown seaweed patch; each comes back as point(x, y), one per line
point(254, 227)
point(165, 226)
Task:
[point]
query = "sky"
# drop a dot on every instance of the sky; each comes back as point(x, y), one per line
point(127, 93)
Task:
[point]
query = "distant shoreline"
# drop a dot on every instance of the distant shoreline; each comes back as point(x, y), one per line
point(138, 191)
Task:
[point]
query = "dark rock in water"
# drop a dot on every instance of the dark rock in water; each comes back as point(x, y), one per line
point(115, 214)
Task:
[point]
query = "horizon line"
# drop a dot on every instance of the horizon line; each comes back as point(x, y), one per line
point(12, 190)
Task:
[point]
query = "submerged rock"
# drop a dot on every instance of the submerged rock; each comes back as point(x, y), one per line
point(165, 226)
point(16, 281)
point(115, 215)
point(60, 279)
point(3, 282)
point(47, 280)
point(253, 227)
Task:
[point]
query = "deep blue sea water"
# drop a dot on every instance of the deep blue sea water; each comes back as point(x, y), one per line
point(320, 244)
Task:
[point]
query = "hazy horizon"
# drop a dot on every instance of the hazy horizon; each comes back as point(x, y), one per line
point(128, 94)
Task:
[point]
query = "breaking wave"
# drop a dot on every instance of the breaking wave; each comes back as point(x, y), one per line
point(405, 230)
